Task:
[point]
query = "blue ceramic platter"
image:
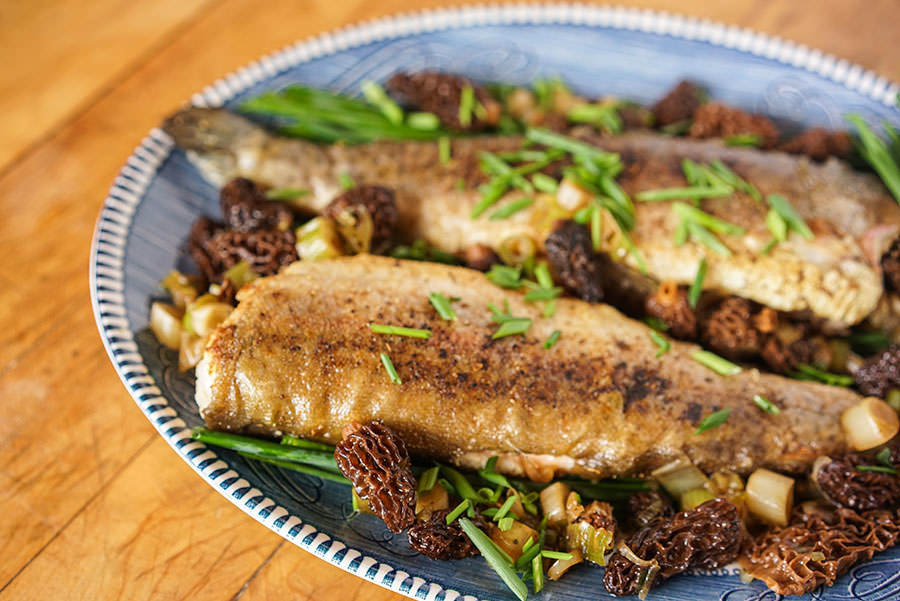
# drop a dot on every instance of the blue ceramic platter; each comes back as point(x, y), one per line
point(638, 55)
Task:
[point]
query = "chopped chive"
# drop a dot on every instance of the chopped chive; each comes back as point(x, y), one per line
point(512, 327)
point(462, 486)
point(457, 511)
point(714, 224)
point(583, 215)
point(784, 209)
point(428, 479)
point(602, 116)
point(441, 304)
point(489, 473)
point(400, 331)
point(660, 341)
point(285, 193)
point(499, 562)
point(494, 165)
point(777, 225)
point(448, 486)
point(537, 573)
point(656, 323)
point(733, 179)
point(765, 404)
point(707, 238)
point(346, 181)
point(504, 509)
point(505, 276)
point(877, 468)
point(293, 441)
point(466, 105)
point(743, 140)
point(511, 209)
point(444, 152)
point(721, 366)
point(884, 457)
point(298, 467)
point(552, 339)
point(266, 449)
point(596, 228)
point(389, 367)
point(681, 233)
point(505, 523)
point(542, 275)
point(490, 194)
point(692, 192)
point(528, 544)
point(713, 420)
point(808, 372)
point(542, 294)
point(425, 121)
point(691, 171)
point(697, 285)
point(378, 98)
point(544, 183)
point(877, 154)
point(602, 158)
point(556, 555)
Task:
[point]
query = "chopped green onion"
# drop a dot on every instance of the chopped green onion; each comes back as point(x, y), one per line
point(656, 323)
point(537, 573)
point(346, 181)
point(512, 327)
point(505, 276)
point(743, 140)
point(441, 304)
point(542, 275)
point(466, 105)
point(808, 372)
point(293, 441)
point(697, 285)
point(877, 468)
point(285, 193)
point(552, 339)
point(721, 366)
point(444, 152)
point(583, 215)
point(425, 121)
point(876, 152)
point(389, 367)
point(499, 562)
point(448, 486)
point(489, 473)
point(777, 225)
point(490, 194)
point(400, 331)
point(511, 209)
point(660, 341)
point(494, 165)
point(884, 457)
point(556, 555)
point(504, 509)
point(765, 404)
point(461, 484)
point(691, 171)
point(506, 523)
point(607, 160)
point(544, 183)
point(602, 116)
point(733, 179)
point(266, 449)
point(596, 228)
point(428, 479)
point(713, 420)
point(378, 98)
point(707, 238)
point(784, 209)
point(693, 192)
point(298, 467)
point(706, 220)
point(457, 511)
point(542, 294)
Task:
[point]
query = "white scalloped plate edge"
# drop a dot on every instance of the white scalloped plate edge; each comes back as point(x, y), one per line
point(110, 235)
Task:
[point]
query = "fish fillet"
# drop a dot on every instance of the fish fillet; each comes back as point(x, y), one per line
point(297, 356)
point(831, 276)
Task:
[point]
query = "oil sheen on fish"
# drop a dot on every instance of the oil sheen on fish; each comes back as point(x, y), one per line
point(836, 276)
point(297, 356)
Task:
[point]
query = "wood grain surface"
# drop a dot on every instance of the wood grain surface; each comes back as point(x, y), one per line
point(93, 504)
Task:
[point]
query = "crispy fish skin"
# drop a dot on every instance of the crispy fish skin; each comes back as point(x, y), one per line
point(297, 356)
point(830, 276)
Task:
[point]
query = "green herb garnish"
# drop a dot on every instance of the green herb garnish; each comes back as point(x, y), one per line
point(263, 449)
point(378, 98)
point(389, 367)
point(504, 509)
point(656, 323)
point(877, 154)
point(697, 285)
point(428, 479)
point(285, 193)
point(721, 366)
point(603, 159)
point(765, 404)
point(706, 220)
point(743, 140)
point(542, 294)
point(802, 371)
point(884, 457)
point(346, 181)
point(444, 152)
point(457, 511)
point(677, 129)
point(400, 331)
point(604, 117)
point(424, 121)
point(500, 562)
point(490, 474)
point(713, 420)
point(552, 339)
point(505, 523)
point(784, 209)
point(466, 105)
point(661, 342)
point(512, 327)
point(441, 304)
point(293, 441)
point(877, 468)
point(544, 183)
point(733, 179)
point(556, 555)
point(505, 276)
point(868, 343)
point(511, 209)
point(693, 192)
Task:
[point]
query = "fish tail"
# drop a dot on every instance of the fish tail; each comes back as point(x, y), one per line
point(207, 130)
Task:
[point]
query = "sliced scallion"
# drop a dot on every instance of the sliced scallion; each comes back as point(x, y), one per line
point(876, 152)
point(693, 192)
point(428, 479)
point(542, 294)
point(512, 327)
point(661, 342)
point(504, 509)
point(444, 151)
point(511, 209)
point(743, 140)
point(441, 304)
point(457, 511)
point(713, 420)
point(498, 561)
point(809, 372)
point(713, 224)
point(556, 555)
point(389, 367)
point(423, 121)
point(346, 181)
point(378, 328)
point(285, 193)
point(765, 404)
point(721, 366)
point(697, 285)
point(505, 276)
point(784, 209)
point(877, 468)
point(544, 183)
point(466, 105)
point(378, 98)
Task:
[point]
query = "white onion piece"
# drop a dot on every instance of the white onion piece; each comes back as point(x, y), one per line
point(679, 477)
point(165, 323)
point(869, 423)
point(561, 566)
point(553, 503)
point(770, 496)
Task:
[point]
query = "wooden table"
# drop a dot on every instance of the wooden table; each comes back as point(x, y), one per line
point(93, 504)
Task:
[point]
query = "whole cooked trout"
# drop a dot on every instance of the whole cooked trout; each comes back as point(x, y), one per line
point(297, 356)
point(835, 276)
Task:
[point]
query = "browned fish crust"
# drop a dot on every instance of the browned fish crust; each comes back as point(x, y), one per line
point(297, 356)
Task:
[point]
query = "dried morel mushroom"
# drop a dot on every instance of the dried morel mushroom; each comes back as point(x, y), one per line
point(441, 94)
point(436, 539)
point(266, 251)
point(572, 257)
point(245, 208)
point(729, 329)
point(890, 266)
point(671, 305)
point(679, 104)
point(783, 355)
point(818, 546)
point(879, 374)
point(714, 120)
point(376, 462)
point(645, 508)
point(366, 218)
point(844, 485)
point(704, 538)
point(819, 144)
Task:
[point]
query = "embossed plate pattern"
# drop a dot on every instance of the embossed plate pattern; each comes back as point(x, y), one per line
point(635, 54)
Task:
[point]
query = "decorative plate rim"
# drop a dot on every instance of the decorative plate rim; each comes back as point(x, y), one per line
point(107, 278)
